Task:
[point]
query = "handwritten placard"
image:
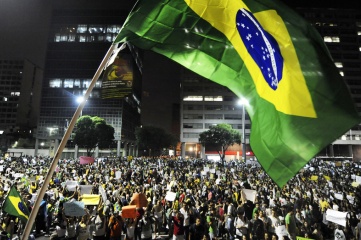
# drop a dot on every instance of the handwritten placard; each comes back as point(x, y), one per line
point(74, 208)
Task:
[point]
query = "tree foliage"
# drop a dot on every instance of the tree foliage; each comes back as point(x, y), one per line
point(222, 136)
point(92, 132)
point(154, 139)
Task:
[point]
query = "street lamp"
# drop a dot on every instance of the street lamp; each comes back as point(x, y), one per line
point(243, 102)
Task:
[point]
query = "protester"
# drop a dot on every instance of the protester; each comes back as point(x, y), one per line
point(205, 192)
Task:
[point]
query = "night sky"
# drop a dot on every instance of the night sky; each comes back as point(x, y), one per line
point(24, 33)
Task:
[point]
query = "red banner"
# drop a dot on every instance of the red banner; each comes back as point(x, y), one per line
point(86, 160)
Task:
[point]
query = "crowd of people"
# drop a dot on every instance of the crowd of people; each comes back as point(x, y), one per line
point(210, 200)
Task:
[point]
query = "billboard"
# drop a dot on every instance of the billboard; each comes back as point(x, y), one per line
point(118, 78)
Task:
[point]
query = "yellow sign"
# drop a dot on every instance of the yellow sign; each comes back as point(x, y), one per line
point(90, 199)
point(314, 178)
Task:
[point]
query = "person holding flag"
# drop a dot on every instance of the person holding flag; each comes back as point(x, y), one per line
point(15, 206)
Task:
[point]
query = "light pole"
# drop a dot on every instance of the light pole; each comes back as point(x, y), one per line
point(243, 102)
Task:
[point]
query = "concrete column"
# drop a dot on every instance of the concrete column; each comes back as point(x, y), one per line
point(76, 151)
point(96, 153)
point(56, 145)
point(203, 152)
point(136, 151)
point(350, 152)
point(183, 150)
point(129, 149)
point(125, 150)
point(36, 147)
point(118, 147)
point(331, 152)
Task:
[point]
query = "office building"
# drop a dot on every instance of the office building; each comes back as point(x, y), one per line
point(20, 85)
point(81, 32)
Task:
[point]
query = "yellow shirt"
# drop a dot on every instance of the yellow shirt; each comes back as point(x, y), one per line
point(324, 205)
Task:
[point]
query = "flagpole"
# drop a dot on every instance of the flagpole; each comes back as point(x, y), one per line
point(62, 144)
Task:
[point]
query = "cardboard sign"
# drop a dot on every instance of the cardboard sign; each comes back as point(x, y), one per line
point(74, 208)
point(129, 211)
point(139, 199)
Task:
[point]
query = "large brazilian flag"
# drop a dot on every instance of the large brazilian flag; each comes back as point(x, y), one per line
point(15, 206)
point(262, 51)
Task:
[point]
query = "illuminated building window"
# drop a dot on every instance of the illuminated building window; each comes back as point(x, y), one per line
point(213, 98)
point(339, 64)
point(193, 98)
point(55, 83)
point(331, 39)
point(82, 28)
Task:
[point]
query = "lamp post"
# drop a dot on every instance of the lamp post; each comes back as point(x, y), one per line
point(243, 102)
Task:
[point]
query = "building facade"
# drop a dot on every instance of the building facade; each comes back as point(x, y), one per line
point(20, 85)
point(81, 32)
point(204, 103)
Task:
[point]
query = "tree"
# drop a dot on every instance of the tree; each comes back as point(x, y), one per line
point(92, 132)
point(222, 136)
point(154, 139)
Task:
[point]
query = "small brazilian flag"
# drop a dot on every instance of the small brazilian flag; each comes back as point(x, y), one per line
point(15, 206)
point(262, 51)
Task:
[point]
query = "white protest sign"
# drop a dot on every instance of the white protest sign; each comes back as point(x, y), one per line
point(86, 189)
point(74, 208)
point(336, 217)
point(350, 198)
point(212, 170)
point(338, 196)
point(358, 179)
point(250, 194)
point(33, 197)
point(206, 169)
point(1, 168)
point(281, 231)
point(203, 173)
point(170, 196)
point(218, 172)
point(71, 185)
point(118, 174)
point(102, 192)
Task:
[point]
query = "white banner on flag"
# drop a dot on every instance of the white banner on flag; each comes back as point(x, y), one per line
point(336, 217)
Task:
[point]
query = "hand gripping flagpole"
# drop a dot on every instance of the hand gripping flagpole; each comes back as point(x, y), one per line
point(113, 50)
